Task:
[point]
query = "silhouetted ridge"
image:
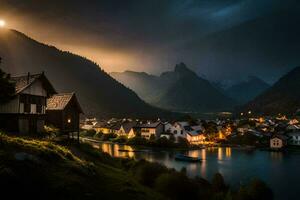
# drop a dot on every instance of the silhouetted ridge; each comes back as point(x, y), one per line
point(97, 91)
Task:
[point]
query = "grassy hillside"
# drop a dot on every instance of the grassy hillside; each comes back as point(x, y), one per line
point(42, 169)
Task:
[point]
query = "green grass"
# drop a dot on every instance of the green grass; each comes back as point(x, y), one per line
point(44, 169)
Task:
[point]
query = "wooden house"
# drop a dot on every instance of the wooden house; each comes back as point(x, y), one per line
point(149, 129)
point(278, 142)
point(63, 112)
point(26, 111)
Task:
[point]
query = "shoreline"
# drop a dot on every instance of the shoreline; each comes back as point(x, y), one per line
point(234, 146)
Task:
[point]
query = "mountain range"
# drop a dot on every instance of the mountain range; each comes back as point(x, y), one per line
point(245, 91)
point(283, 97)
point(178, 90)
point(99, 94)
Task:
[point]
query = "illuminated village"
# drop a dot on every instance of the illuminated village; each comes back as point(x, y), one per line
point(248, 131)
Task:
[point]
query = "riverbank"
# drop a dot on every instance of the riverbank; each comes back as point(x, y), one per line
point(191, 147)
point(43, 169)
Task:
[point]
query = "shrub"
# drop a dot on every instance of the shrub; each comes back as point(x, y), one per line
point(218, 183)
point(98, 135)
point(163, 142)
point(137, 141)
point(182, 142)
point(106, 137)
point(146, 173)
point(176, 186)
point(88, 133)
point(258, 190)
point(152, 137)
point(51, 131)
point(120, 139)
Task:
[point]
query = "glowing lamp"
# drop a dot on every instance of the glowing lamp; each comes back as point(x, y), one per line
point(2, 23)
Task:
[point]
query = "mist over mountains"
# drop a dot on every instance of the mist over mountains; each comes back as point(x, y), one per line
point(180, 90)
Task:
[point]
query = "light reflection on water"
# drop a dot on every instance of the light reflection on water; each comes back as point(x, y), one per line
point(279, 170)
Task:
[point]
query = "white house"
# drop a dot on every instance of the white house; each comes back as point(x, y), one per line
point(167, 126)
point(294, 138)
point(194, 134)
point(178, 129)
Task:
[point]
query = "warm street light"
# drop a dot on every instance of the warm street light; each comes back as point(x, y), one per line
point(2, 23)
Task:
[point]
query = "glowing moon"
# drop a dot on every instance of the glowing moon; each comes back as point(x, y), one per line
point(2, 23)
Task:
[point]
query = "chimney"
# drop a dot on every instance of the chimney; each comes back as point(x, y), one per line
point(28, 77)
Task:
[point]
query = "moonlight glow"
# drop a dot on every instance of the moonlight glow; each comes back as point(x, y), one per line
point(2, 23)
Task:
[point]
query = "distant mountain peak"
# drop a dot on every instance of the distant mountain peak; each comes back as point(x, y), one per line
point(181, 67)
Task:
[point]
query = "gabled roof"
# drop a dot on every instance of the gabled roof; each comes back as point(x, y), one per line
point(195, 133)
point(150, 125)
point(23, 82)
point(282, 137)
point(294, 134)
point(60, 101)
point(127, 126)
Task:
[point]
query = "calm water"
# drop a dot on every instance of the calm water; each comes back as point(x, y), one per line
point(281, 171)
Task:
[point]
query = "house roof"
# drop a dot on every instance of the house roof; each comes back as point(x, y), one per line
point(150, 125)
point(127, 126)
point(23, 82)
point(294, 134)
point(195, 132)
point(282, 137)
point(60, 101)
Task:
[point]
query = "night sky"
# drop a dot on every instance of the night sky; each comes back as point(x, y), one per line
point(219, 39)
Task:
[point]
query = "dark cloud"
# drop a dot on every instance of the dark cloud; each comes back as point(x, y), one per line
point(218, 38)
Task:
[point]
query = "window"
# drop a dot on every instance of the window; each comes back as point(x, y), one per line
point(175, 132)
point(33, 108)
point(21, 107)
point(181, 132)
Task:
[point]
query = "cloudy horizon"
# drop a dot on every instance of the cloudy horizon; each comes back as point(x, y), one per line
point(220, 40)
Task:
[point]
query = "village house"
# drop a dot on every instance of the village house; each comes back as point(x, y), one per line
point(89, 124)
point(167, 126)
point(278, 142)
point(149, 129)
point(178, 129)
point(195, 137)
point(26, 111)
point(294, 138)
point(63, 112)
point(194, 134)
point(102, 127)
point(127, 129)
point(244, 128)
point(293, 127)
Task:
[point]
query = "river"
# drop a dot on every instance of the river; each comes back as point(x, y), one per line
point(281, 171)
